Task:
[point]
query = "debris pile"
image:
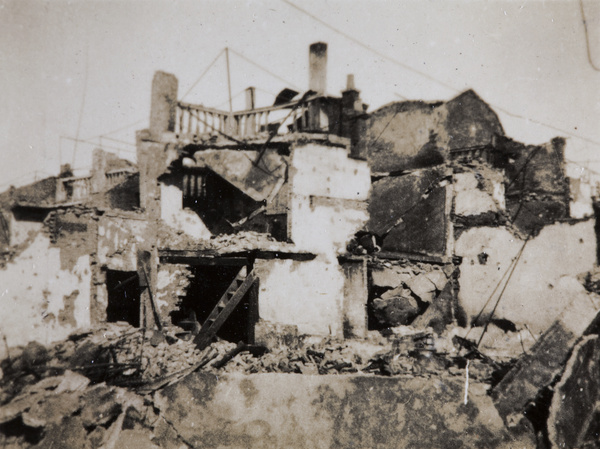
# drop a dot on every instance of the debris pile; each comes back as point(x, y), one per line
point(96, 388)
point(220, 244)
point(405, 291)
point(116, 353)
point(67, 411)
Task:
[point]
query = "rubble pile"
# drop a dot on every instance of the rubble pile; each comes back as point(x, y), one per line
point(404, 291)
point(116, 353)
point(67, 411)
point(220, 244)
point(406, 353)
point(591, 281)
point(96, 388)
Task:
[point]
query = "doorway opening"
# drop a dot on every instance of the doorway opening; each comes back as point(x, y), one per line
point(123, 297)
point(206, 288)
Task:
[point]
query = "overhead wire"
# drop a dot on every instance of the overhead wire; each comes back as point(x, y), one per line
point(385, 127)
point(82, 107)
point(232, 98)
point(371, 49)
point(512, 270)
point(426, 75)
point(203, 73)
point(114, 131)
point(587, 37)
point(89, 142)
point(250, 61)
point(117, 140)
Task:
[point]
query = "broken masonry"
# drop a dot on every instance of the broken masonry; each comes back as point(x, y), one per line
point(307, 237)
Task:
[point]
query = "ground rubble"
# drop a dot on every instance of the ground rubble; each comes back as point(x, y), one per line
point(96, 388)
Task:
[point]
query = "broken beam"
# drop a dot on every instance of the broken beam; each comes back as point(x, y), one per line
point(546, 359)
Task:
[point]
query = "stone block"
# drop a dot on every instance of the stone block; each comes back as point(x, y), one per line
point(421, 286)
point(101, 406)
point(395, 311)
point(389, 277)
point(437, 278)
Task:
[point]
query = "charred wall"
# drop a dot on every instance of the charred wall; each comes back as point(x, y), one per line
point(409, 213)
point(537, 189)
point(415, 134)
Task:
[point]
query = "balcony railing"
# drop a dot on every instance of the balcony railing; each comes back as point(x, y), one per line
point(78, 188)
point(73, 189)
point(115, 177)
point(297, 116)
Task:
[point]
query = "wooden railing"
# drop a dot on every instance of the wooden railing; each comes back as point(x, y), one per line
point(296, 116)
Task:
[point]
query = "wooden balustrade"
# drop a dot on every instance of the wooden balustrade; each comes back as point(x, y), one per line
point(292, 117)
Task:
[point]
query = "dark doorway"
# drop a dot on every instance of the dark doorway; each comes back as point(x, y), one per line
point(123, 297)
point(205, 290)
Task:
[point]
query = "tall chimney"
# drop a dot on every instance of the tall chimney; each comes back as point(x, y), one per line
point(317, 62)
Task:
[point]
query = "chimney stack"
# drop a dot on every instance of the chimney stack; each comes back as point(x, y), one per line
point(250, 98)
point(317, 62)
point(350, 83)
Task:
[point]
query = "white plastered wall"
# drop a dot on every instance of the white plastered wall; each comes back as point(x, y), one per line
point(543, 282)
point(39, 300)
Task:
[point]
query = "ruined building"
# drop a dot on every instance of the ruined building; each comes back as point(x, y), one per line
point(349, 221)
point(308, 218)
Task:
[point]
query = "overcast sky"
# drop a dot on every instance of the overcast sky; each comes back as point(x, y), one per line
point(85, 67)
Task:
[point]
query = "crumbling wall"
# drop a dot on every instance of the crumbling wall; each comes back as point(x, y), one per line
point(403, 135)
point(356, 293)
point(537, 189)
point(119, 238)
point(477, 192)
point(328, 197)
point(180, 219)
point(171, 285)
point(581, 190)
point(39, 193)
point(154, 158)
point(539, 288)
point(408, 135)
point(410, 213)
point(123, 196)
point(45, 294)
point(22, 225)
point(307, 294)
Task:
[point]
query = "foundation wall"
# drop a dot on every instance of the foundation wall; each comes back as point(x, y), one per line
point(288, 410)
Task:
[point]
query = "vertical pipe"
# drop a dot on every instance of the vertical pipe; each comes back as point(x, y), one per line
point(228, 79)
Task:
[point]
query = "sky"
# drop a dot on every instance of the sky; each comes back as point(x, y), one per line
point(84, 68)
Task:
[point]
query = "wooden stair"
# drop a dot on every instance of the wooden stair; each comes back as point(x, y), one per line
point(228, 302)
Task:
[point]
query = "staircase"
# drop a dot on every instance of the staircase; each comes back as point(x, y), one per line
point(228, 302)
